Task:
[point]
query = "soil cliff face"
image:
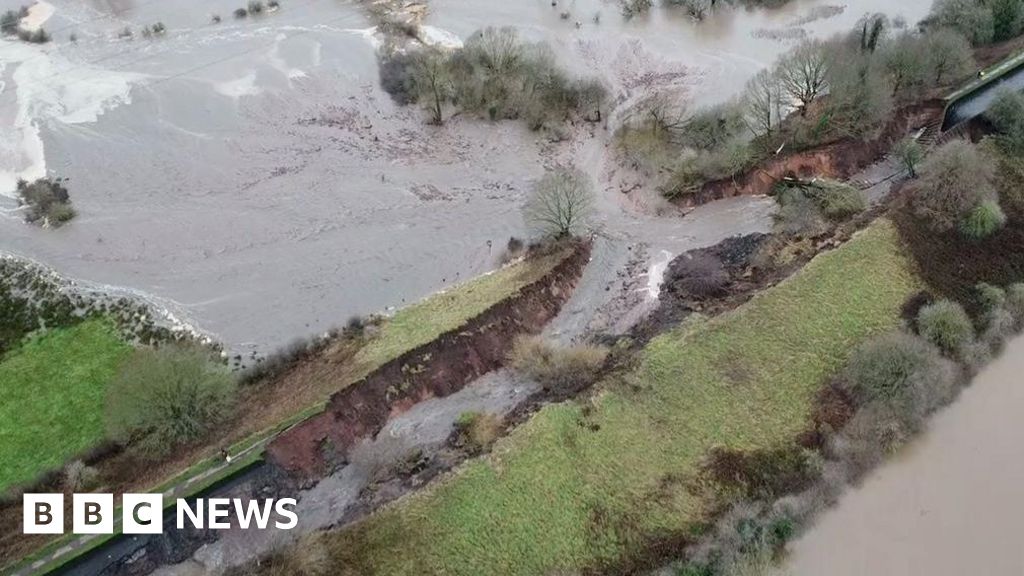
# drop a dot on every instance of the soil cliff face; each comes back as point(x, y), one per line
point(837, 160)
point(311, 449)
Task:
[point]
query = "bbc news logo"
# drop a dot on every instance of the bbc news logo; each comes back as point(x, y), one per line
point(144, 513)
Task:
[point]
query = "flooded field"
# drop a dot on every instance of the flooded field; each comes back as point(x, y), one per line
point(252, 177)
point(947, 505)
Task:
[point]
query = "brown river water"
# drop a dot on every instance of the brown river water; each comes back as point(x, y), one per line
point(950, 504)
point(252, 178)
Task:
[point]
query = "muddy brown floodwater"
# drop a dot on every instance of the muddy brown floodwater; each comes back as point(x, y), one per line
point(251, 176)
point(949, 505)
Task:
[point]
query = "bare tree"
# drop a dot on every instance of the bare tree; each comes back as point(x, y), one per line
point(910, 154)
point(763, 103)
point(860, 97)
point(591, 96)
point(662, 113)
point(872, 28)
point(949, 55)
point(803, 72)
point(560, 203)
point(433, 81)
point(906, 64)
point(498, 50)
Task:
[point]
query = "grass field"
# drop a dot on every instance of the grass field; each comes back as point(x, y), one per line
point(579, 486)
point(53, 389)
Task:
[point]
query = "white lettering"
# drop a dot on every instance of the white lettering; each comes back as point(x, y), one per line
point(219, 508)
point(185, 510)
point(252, 509)
point(281, 507)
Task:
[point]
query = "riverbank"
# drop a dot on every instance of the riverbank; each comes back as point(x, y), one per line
point(948, 504)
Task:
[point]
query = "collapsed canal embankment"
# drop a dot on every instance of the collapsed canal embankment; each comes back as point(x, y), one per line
point(300, 456)
point(314, 447)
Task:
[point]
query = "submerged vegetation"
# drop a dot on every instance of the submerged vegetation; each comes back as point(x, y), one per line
point(494, 75)
point(46, 201)
point(10, 25)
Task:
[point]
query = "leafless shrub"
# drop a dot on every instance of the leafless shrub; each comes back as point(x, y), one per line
point(562, 370)
point(78, 477)
point(560, 203)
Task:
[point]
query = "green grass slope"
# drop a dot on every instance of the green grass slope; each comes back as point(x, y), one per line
point(578, 486)
point(53, 390)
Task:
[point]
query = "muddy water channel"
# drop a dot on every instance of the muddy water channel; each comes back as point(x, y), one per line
point(949, 505)
point(252, 176)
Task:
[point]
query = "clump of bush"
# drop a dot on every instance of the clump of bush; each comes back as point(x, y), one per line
point(956, 189)
point(10, 19)
point(560, 369)
point(157, 29)
point(838, 201)
point(46, 201)
point(903, 372)
point(946, 325)
point(477, 431)
point(514, 249)
point(79, 477)
point(631, 8)
point(1015, 303)
point(742, 542)
point(240, 13)
point(983, 220)
point(166, 397)
point(998, 320)
point(1007, 116)
point(37, 36)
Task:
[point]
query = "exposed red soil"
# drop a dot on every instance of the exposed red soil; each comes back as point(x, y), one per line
point(312, 448)
point(838, 160)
